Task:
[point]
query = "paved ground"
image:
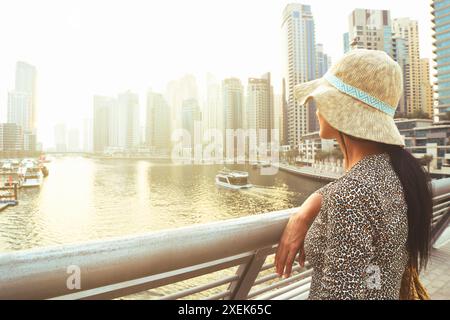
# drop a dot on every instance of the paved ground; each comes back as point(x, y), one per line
point(437, 276)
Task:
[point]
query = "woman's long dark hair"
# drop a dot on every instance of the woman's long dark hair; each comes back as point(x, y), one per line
point(417, 190)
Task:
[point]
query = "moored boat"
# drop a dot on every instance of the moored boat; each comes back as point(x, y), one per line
point(31, 173)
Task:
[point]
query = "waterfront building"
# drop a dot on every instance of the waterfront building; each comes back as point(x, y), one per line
point(323, 61)
point(213, 112)
point(60, 133)
point(426, 88)
point(369, 29)
point(21, 107)
point(300, 65)
point(158, 124)
point(11, 137)
point(260, 106)
point(408, 30)
point(103, 107)
point(440, 10)
point(423, 136)
point(178, 91)
point(233, 104)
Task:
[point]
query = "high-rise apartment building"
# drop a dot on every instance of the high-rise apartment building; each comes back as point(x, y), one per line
point(370, 29)
point(127, 123)
point(323, 61)
point(408, 30)
point(233, 104)
point(213, 113)
point(399, 38)
point(21, 108)
point(11, 137)
point(440, 10)
point(299, 65)
point(158, 124)
point(178, 91)
point(260, 106)
point(426, 88)
point(191, 120)
point(103, 107)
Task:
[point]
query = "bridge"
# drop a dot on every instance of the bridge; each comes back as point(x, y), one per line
point(230, 259)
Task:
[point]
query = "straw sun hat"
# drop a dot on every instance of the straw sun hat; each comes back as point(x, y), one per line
point(359, 95)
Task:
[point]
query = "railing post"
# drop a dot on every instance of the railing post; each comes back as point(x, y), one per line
point(440, 227)
point(247, 275)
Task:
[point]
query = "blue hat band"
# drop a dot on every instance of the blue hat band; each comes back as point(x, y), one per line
point(359, 94)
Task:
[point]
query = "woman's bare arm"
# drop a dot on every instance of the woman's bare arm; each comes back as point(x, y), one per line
point(293, 236)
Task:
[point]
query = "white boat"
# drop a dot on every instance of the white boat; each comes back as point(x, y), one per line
point(261, 164)
point(9, 179)
point(31, 173)
point(233, 179)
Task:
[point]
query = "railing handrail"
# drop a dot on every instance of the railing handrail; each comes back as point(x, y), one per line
point(42, 273)
point(105, 262)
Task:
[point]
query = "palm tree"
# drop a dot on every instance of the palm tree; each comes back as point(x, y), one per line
point(426, 160)
point(320, 155)
point(337, 153)
point(296, 154)
point(418, 114)
point(446, 116)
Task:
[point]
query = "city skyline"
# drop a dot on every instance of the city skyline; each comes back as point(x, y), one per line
point(73, 68)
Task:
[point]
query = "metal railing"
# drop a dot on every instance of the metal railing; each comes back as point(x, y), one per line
point(231, 259)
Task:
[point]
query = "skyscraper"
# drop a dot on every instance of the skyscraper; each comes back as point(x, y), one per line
point(278, 116)
point(441, 43)
point(60, 137)
point(178, 91)
point(101, 122)
point(158, 124)
point(323, 61)
point(259, 106)
point(213, 115)
point(370, 29)
point(11, 137)
point(87, 135)
point(116, 122)
point(373, 29)
point(233, 103)
point(299, 64)
point(426, 88)
point(191, 118)
point(126, 120)
point(346, 42)
point(408, 29)
point(21, 108)
point(283, 116)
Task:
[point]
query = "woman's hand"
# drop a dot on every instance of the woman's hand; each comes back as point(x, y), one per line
point(293, 237)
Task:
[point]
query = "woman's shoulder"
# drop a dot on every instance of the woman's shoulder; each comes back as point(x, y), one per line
point(349, 192)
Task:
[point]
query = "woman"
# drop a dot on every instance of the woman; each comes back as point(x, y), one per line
point(366, 233)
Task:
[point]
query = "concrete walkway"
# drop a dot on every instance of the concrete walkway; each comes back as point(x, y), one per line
point(310, 172)
point(436, 278)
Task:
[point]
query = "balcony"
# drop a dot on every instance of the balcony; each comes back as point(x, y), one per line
point(239, 250)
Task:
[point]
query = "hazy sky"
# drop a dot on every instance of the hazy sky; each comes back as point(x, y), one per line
point(82, 48)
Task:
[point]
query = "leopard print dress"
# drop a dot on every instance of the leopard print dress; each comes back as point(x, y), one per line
point(357, 243)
